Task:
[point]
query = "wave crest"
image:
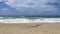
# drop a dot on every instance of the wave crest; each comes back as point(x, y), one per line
point(27, 19)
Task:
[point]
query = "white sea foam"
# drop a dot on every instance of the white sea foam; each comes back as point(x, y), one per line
point(27, 20)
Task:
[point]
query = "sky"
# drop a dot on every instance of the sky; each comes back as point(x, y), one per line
point(30, 7)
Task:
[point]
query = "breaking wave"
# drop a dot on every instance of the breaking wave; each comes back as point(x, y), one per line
point(27, 19)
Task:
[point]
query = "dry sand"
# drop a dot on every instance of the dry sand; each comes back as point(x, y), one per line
point(30, 28)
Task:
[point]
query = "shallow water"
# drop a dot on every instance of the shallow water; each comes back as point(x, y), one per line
point(28, 19)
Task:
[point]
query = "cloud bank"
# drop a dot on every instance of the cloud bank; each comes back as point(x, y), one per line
point(42, 5)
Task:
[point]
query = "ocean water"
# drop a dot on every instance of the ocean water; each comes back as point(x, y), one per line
point(24, 19)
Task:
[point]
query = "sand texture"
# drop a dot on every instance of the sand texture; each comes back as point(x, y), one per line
point(30, 28)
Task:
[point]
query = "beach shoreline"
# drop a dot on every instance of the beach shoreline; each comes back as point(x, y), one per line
point(30, 28)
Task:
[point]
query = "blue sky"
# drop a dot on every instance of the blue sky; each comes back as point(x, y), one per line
point(29, 7)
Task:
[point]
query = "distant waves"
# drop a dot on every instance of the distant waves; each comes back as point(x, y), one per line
point(27, 19)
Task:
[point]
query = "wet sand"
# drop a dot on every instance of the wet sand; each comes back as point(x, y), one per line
point(30, 28)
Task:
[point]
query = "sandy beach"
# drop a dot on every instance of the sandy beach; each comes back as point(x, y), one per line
point(30, 28)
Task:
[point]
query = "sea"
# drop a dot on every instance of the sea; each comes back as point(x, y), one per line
point(28, 19)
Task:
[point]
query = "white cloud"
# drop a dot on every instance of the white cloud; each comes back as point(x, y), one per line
point(3, 0)
point(39, 4)
point(0, 0)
